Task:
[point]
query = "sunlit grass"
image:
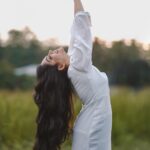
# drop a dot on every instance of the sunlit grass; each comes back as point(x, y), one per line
point(131, 123)
point(17, 121)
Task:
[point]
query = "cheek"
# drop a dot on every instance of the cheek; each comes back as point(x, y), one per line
point(58, 58)
point(53, 62)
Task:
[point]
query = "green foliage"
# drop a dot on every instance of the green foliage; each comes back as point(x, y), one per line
point(130, 113)
point(135, 73)
point(22, 48)
point(10, 81)
point(17, 120)
point(131, 124)
point(6, 75)
point(100, 55)
point(24, 82)
point(126, 63)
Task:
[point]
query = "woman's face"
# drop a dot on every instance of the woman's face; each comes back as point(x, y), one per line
point(57, 57)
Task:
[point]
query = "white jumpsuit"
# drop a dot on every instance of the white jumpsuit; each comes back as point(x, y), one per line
point(92, 128)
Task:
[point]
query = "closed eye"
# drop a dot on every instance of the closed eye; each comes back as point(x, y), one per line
point(49, 57)
point(56, 51)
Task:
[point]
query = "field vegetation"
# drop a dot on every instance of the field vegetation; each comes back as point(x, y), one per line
point(131, 123)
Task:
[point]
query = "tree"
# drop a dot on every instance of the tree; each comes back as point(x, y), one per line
point(23, 48)
point(100, 54)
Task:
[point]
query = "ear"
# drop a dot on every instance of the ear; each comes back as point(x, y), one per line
point(61, 66)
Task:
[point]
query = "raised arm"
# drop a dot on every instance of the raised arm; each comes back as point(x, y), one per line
point(78, 6)
point(80, 48)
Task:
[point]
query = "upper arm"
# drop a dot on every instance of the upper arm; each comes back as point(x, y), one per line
point(80, 49)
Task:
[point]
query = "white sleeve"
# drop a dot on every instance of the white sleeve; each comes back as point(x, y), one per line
point(80, 48)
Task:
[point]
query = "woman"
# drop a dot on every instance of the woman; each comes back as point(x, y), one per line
point(53, 94)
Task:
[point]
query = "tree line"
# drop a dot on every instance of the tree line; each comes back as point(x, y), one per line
point(125, 62)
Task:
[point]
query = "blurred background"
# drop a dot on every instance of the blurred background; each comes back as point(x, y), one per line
point(121, 48)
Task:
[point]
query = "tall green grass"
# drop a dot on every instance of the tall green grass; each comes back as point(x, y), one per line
point(131, 120)
point(17, 123)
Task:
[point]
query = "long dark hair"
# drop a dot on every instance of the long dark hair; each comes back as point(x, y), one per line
point(53, 96)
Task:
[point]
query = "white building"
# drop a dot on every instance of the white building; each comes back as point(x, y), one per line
point(26, 70)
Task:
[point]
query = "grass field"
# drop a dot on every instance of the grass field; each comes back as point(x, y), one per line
point(131, 120)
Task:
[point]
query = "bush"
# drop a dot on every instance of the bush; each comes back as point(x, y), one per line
point(131, 124)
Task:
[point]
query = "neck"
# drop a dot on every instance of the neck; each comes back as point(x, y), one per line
point(67, 63)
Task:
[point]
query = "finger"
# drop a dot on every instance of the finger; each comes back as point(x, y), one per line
point(44, 61)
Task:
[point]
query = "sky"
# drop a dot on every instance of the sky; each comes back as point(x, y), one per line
point(111, 19)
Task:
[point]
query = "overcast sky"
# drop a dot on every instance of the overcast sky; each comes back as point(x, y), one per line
point(111, 19)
